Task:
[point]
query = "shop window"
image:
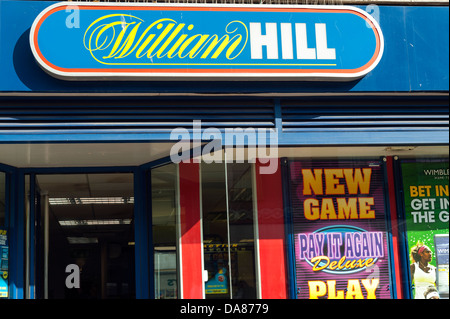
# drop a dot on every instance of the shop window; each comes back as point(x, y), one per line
point(2, 200)
point(340, 237)
point(85, 236)
point(3, 240)
point(164, 219)
point(426, 201)
point(228, 230)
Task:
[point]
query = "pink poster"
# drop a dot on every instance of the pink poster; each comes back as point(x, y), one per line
point(340, 237)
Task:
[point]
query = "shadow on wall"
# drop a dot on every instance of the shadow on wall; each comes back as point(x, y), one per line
point(31, 74)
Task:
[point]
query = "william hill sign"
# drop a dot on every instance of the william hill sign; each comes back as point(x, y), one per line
point(184, 42)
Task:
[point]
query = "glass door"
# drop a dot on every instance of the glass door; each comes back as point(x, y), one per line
point(34, 224)
point(164, 212)
point(228, 231)
point(84, 236)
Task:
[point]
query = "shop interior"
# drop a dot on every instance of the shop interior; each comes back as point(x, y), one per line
point(90, 219)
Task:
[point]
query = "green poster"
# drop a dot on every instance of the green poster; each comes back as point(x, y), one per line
point(426, 195)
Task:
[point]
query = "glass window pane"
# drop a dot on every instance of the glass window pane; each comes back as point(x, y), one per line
point(240, 206)
point(2, 200)
point(425, 189)
point(228, 230)
point(3, 240)
point(339, 229)
point(215, 231)
point(88, 220)
point(164, 218)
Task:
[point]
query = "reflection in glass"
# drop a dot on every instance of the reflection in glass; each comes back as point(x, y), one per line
point(4, 249)
point(97, 237)
point(228, 234)
point(215, 231)
point(240, 207)
point(2, 201)
point(164, 212)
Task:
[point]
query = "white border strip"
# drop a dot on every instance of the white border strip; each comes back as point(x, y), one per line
point(178, 222)
point(201, 228)
point(256, 232)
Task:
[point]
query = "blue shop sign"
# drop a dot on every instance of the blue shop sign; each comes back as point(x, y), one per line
point(161, 41)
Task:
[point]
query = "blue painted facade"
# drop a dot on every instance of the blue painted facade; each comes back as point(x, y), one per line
point(415, 59)
point(357, 113)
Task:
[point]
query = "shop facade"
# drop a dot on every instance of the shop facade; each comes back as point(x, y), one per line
point(318, 171)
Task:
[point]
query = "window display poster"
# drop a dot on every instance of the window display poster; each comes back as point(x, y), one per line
point(426, 201)
point(339, 227)
point(3, 263)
